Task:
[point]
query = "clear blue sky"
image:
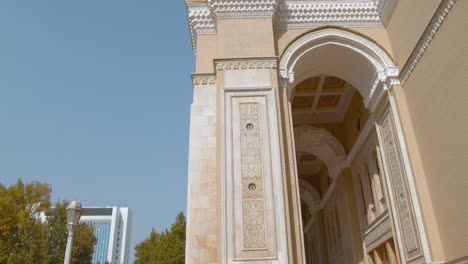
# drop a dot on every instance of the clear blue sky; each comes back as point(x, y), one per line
point(95, 100)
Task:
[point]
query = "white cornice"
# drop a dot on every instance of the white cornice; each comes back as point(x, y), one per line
point(242, 8)
point(426, 38)
point(305, 14)
point(200, 21)
point(298, 14)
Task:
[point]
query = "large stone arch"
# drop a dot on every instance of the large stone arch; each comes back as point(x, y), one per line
point(344, 54)
point(323, 145)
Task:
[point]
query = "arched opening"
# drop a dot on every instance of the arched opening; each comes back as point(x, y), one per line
point(344, 54)
point(336, 80)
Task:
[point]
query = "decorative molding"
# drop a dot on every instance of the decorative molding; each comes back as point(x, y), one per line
point(310, 14)
point(289, 14)
point(203, 78)
point(437, 19)
point(246, 64)
point(200, 20)
point(242, 8)
point(385, 9)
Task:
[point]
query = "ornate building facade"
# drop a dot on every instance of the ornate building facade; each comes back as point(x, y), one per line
point(328, 132)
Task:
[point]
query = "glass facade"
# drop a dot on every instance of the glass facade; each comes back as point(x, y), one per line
point(102, 232)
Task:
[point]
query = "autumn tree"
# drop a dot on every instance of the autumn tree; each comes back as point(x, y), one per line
point(167, 247)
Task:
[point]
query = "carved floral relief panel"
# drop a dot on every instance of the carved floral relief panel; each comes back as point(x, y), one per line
point(253, 205)
point(399, 187)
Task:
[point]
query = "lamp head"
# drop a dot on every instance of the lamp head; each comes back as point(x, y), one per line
point(73, 214)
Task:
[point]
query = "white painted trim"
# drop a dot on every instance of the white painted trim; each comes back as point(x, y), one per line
point(298, 196)
point(223, 179)
point(411, 181)
point(391, 197)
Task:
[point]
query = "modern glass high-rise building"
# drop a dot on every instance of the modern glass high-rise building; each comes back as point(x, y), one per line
point(112, 227)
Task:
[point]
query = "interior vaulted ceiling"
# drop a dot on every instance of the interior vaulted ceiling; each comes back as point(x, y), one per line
point(322, 99)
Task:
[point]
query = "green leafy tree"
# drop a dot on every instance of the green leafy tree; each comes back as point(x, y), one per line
point(57, 234)
point(83, 245)
point(167, 247)
point(83, 240)
point(21, 231)
point(24, 238)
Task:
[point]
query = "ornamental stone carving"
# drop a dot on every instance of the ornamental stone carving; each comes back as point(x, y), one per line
point(267, 63)
point(253, 210)
point(289, 14)
point(400, 189)
point(203, 79)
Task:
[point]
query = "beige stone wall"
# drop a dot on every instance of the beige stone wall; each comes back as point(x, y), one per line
point(244, 38)
point(425, 199)
point(406, 25)
point(202, 240)
point(235, 38)
point(206, 52)
point(436, 98)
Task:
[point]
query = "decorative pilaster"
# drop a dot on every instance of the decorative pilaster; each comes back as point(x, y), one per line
point(254, 215)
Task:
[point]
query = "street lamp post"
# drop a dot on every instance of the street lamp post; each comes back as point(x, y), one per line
point(73, 216)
